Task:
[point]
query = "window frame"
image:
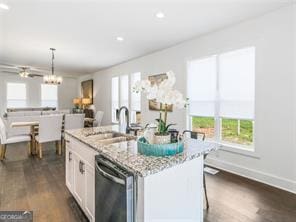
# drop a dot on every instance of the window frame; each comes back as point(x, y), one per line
point(57, 101)
point(118, 97)
point(121, 102)
point(131, 100)
point(6, 92)
point(248, 150)
point(130, 91)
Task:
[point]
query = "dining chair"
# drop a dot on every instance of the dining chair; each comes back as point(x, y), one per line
point(5, 140)
point(50, 130)
point(98, 118)
point(72, 121)
point(15, 131)
point(199, 136)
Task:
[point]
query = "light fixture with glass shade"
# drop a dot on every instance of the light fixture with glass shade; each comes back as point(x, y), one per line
point(24, 73)
point(86, 102)
point(52, 79)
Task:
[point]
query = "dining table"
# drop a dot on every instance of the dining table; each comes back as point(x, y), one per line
point(33, 125)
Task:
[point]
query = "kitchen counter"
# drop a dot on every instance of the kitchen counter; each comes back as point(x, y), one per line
point(126, 153)
point(159, 188)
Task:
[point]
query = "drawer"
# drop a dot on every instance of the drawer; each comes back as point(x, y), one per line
point(84, 151)
point(68, 140)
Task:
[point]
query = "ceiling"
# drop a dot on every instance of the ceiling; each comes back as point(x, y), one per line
point(84, 32)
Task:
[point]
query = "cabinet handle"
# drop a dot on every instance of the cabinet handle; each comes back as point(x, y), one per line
point(67, 141)
point(70, 156)
point(82, 167)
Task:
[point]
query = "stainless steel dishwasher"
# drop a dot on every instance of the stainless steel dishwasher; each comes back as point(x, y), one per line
point(114, 192)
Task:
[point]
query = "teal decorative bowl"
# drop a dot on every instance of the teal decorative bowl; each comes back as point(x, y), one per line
point(169, 149)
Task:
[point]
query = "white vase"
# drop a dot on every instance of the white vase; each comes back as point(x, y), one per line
point(149, 134)
point(162, 139)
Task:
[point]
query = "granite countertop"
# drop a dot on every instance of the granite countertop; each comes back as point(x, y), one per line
point(126, 154)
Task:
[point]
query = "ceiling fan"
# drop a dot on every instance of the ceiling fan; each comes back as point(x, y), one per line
point(25, 73)
point(22, 71)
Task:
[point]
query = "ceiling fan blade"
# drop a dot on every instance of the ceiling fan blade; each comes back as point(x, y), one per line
point(13, 69)
point(35, 75)
point(39, 69)
point(8, 66)
point(31, 75)
point(10, 72)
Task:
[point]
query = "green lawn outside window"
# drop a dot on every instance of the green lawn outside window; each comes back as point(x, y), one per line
point(232, 130)
point(205, 125)
point(237, 131)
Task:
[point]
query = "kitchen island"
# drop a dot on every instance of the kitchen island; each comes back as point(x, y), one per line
point(165, 188)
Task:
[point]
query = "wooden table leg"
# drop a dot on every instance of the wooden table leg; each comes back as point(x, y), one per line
point(40, 150)
point(1, 151)
point(33, 146)
point(58, 148)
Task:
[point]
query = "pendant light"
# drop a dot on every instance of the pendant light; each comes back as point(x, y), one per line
point(52, 79)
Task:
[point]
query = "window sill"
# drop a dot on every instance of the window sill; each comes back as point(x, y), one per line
point(237, 149)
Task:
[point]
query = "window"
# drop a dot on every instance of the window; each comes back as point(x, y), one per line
point(135, 100)
point(237, 131)
point(202, 93)
point(204, 125)
point(221, 90)
point(121, 92)
point(237, 92)
point(16, 95)
point(124, 91)
point(49, 95)
point(115, 97)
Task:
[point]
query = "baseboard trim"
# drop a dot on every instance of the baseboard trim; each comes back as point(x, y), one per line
point(269, 179)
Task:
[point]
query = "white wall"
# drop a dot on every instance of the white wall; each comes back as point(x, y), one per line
point(66, 92)
point(272, 35)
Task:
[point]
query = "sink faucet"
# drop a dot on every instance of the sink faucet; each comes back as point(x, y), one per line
point(118, 116)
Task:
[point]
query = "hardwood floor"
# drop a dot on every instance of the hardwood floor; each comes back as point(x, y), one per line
point(236, 199)
point(39, 185)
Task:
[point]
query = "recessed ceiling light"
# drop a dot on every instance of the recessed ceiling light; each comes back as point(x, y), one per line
point(159, 15)
point(119, 38)
point(4, 6)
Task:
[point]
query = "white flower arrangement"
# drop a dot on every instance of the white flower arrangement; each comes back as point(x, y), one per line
point(163, 94)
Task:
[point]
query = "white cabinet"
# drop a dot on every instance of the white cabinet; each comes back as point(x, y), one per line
point(69, 168)
point(90, 192)
point(80, 175)
point(182, 197)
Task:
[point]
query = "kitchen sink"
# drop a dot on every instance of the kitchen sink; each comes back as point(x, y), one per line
point(109, 137)
point(96, 133)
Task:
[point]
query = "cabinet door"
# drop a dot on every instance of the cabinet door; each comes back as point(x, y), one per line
point(90, 192)
point(79, 178)
point(69, 169)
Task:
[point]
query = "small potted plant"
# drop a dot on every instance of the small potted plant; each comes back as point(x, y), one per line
point(165, 95)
